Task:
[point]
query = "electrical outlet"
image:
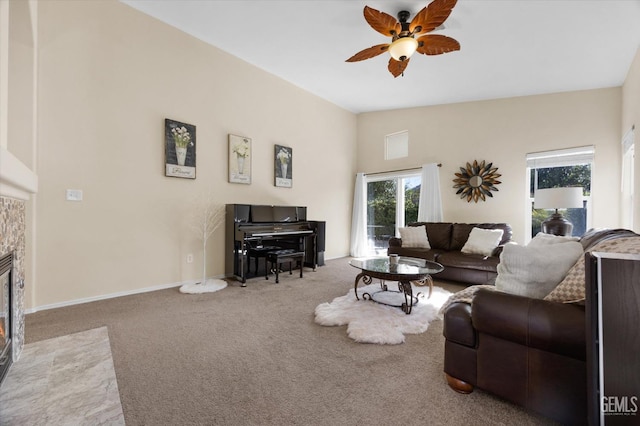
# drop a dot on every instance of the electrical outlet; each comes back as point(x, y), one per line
point(189, 258)
point(74, 195)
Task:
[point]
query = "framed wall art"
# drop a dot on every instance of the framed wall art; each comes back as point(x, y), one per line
point(179, 149)
point(283, 162)
point(239, 159)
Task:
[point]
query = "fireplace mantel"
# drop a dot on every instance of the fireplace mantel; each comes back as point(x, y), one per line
point(16, 179)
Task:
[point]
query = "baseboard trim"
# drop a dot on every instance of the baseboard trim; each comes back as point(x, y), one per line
point(111, 295)
point(122, 293)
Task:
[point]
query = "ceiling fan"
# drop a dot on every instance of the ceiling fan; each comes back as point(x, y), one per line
point(403, 42)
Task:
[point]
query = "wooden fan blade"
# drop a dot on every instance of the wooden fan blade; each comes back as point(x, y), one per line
point(436, 44)
point(432, 16)
point(382, 22)
point(369, 52)
point(419, 21)
point(397, 67)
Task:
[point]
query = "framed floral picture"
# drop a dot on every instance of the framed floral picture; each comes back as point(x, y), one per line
point(239, 159)
point(179, 149)
point(283, 166)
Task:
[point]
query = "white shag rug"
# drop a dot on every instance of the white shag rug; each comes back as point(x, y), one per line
point(209, 286)
point(370, 322)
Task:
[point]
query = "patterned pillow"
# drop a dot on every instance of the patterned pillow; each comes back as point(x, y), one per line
point(414, 236)
point(572, 288)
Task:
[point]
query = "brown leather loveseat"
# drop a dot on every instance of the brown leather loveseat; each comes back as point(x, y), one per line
point(531, 352)
point(446, 240)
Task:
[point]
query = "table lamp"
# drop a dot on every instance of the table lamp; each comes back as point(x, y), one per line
point(558, 198)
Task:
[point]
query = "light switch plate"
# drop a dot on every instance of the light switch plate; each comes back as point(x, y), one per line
point(74, 195)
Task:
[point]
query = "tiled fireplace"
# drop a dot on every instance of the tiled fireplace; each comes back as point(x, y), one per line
point(6, 314)
point(17, 184)
point(12, 241)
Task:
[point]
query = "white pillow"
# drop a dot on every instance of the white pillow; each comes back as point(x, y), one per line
point(482, 241)
point(542, 239)
point(535, 271)
point(414, 236)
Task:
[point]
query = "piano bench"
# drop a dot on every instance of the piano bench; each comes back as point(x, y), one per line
point(278, 257)
point(257, 253)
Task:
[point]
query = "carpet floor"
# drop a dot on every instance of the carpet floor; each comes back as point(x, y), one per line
point(255, 356)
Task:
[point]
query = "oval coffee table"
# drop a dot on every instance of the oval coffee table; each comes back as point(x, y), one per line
point(407, 269)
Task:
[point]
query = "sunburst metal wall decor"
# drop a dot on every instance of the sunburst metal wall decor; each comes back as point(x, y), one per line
point(476, 181)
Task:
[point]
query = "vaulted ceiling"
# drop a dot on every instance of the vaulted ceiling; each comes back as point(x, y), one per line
point(508, 48)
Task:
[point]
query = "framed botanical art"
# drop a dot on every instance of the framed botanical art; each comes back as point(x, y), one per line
point(283, 162)
point(239, 159)
point(179, 149)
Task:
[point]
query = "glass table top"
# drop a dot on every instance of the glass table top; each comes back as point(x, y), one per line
point(405, 265)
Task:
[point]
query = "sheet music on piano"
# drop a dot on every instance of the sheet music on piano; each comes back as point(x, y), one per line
point(251, 228)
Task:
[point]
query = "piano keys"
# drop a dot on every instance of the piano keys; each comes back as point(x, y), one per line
point(252, 229)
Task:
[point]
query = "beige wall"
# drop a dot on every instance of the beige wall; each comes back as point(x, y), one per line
point(108, 77)
point(20, 115)
point(630, 117)
point(503, 131)
point(17, 79)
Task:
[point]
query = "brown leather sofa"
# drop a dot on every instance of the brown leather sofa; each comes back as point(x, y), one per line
point(528, 351)
point(446, 240)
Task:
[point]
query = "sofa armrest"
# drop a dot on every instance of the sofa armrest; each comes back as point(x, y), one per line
point(457, 325)
point(548, 326)
point(395, 242)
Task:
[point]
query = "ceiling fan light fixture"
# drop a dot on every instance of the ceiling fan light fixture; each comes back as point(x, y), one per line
point(403, 48)
point(403, 42)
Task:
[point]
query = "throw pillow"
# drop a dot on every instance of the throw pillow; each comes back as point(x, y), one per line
point(466, 296)
point(535, 271)
point(482, 241)
point(572, 287)
point(543, 239)
point(414, 236)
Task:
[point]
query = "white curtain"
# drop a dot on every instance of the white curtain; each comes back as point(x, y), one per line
point(430, 206)
point(359, 219)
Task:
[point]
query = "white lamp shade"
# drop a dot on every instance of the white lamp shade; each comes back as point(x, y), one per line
point(558, 198)
point(404, 46)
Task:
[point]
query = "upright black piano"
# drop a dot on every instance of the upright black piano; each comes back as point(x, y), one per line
point(253, 229)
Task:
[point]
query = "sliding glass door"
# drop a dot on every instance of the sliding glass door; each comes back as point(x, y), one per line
point(392, 202)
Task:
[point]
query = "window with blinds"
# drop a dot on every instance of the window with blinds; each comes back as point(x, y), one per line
point(558, 169)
